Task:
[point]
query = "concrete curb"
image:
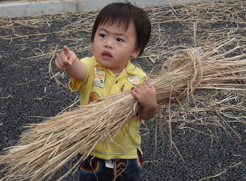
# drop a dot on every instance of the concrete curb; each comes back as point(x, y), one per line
point(36, 8)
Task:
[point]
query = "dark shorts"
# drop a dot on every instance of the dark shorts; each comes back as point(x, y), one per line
point(94, 169)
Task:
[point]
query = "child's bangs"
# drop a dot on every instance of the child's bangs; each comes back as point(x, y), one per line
point(119, 20)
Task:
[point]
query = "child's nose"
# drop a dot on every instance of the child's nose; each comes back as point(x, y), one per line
point(109, 43)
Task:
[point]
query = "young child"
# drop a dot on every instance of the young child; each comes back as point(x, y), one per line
point(121, 31)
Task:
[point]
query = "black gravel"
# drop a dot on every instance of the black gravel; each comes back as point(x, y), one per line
point(29, 94)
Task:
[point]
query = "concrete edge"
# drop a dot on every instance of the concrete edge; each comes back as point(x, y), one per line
point(36, 8)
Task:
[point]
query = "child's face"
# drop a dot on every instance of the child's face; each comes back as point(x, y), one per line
point(113, 46)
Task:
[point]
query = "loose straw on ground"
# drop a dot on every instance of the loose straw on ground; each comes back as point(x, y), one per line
point(47, 146)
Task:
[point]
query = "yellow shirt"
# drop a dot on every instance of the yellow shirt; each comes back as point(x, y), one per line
point(100, 82)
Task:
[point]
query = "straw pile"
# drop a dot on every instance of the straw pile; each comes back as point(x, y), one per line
point(49, 145)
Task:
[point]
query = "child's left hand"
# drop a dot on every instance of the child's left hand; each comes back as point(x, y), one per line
point(146, 96)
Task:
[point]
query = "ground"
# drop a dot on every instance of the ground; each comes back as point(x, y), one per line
point(31, 89)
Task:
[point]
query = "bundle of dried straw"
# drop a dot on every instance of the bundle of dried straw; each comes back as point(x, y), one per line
point(49, 145)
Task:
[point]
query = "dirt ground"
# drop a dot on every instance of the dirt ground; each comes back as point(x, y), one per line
point(31, 89)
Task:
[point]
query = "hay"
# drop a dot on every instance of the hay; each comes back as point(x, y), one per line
point(49, 145)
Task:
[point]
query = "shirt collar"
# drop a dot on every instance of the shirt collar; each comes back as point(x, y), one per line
point(129, 69)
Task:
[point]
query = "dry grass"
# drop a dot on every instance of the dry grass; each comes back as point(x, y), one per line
point(223, 172)
point(218, 67)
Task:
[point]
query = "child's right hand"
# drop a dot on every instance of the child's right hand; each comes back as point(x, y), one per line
point(65, 58)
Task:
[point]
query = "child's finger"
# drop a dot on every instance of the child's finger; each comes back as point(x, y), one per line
point(67, 52)
point(59, 64)
point(150, 85)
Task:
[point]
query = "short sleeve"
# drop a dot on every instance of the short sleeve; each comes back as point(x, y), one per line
point(75, 85)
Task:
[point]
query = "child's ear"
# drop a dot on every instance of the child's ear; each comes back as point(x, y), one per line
point(135, 53)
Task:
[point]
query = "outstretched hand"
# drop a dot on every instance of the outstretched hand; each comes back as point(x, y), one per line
point(65, 58)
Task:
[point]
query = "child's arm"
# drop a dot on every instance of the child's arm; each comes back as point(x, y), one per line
point(68, 61)
point(146, 96)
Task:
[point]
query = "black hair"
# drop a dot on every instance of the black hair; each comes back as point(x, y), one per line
point(124, 13)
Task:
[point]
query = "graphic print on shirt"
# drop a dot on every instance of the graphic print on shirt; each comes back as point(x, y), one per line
point(99, 78)
point(135, 80)
point(93, 96)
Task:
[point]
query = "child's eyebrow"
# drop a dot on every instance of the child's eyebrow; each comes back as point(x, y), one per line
point(117, 34)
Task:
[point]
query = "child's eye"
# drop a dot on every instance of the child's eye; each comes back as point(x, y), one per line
point(119, 40)
point(103, 35)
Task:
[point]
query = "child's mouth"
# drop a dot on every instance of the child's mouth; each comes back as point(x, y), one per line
point(106, 55)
